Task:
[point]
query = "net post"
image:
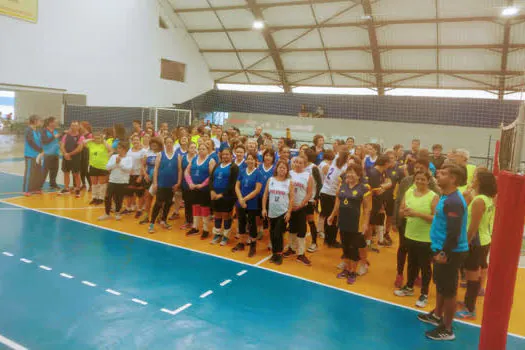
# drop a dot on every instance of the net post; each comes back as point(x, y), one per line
point(156, 113)
point(520, 125)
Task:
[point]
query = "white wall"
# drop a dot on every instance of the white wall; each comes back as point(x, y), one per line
point(476, 140)
point(44, 104)
point(108, 50)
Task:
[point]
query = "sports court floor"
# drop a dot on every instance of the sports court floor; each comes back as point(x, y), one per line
point(68, 283)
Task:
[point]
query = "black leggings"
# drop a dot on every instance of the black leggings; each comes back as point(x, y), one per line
point(163, 201)
point(327, 205)
point(402, 250)
point(188, 205)
point(277, 229)
point(51, 168)
point(247, 216)
point(419, 258)
point(115, 192)
point(84, 167)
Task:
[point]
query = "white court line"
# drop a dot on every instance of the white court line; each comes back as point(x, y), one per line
point(65, 275)
point(166, 311)
point(138, 301)
point(241, 273)
point(245, 264)
point(47, 268)
point(223, 283)
point(8, 254)
point(90, 284)
point(180, 309)
point(204, 295)
point(111, 291)
point(27, 261)
point(11, 344)
point(263, 260)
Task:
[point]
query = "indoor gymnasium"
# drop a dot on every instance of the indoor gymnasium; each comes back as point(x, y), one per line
point(262, 174)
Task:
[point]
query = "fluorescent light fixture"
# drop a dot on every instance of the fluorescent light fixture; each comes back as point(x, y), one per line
point(258, 25)
point(450, 93)
point(510, 11)
point(332, 90)
point(366, 17)
point(247, 87)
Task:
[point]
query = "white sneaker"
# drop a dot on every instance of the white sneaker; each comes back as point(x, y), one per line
point(312, 248)
point(422, 301)
point(321, 234)
point(118, 217)
point(362, 269)
point(342, 265)
point(104, 217)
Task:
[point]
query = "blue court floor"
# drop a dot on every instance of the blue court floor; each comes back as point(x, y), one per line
point(68, 285)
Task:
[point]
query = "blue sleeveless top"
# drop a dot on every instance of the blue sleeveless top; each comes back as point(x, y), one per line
point(200, 172)
point(168, 171)
point(265, 175)
point(221, 178)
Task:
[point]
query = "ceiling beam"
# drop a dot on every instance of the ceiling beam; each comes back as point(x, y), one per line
point(274, 52)
point(384, 71)
point(363, 23)
point(374, 46)
point(380, 47)
point(261, 6)
point(504, 54)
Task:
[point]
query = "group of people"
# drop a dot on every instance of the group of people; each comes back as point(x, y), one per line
point(355, 197)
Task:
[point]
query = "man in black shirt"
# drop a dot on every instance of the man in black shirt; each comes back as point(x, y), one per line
point(437, 158)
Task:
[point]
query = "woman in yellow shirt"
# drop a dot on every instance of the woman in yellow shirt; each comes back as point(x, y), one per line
point(99, 152)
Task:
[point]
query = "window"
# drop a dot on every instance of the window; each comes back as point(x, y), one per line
point(162, 23)
point(172, 70)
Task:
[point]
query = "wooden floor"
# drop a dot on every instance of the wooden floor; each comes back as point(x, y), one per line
point(378, 283)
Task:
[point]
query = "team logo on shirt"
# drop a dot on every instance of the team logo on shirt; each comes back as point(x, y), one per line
point(345, 201)
point(393, 172)
point(354, 193)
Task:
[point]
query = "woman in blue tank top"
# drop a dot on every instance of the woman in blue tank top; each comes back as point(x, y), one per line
point(181, 150)
point(166, 179)
point(197, 175)
point(155, 146)
point(267, 168)
point(222, 186)
point(186, 193)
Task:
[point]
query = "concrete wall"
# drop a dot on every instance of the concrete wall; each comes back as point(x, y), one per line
point(44, 104)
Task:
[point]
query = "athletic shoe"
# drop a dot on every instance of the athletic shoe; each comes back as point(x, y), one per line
point(151, 228)
point(362, 269)
point(440, 333)
point(352, 277)
point(342, 265)
point(343, 274)
point(77, 193)
point(279, 259)
point(321, 234)
point(192, 232)
point(205, 234)
point(27, 194)
point(418, 282)
point(237, 236)
point(422, 301)
point(373, 248)
point(388, 239)
point(55, 187)
point(118, 217)
point(335, 245)
point(126, 212)
point(399, 281)
point(93, 201)
point(312, 248)
point(289, 253)
point(252, 251)
point(185, 226)
point(104, 217)
point(384, 243)
point(303, 259)
point(238, 247)
point(463, 284)
point(38, 192)
point(224, 241)
point(481, 292)
point(174, 216)
point(273, 259)
point(64, 191)
point(429, 318)
point(165, 225)
point(404, 292)
point(216, 239)
point(466, 315)
point(138, 214)
point(144, 220)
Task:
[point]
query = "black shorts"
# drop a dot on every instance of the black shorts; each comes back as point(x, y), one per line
point(298, 222)
point(72, 165)
point(389, 206)
point(352, 241)
point(135, 187)
point(223, 205)
point(309, 208)
point(95, 172)
point(327, 204)
point(446, 275)
point(477, 258)
point(201, 198)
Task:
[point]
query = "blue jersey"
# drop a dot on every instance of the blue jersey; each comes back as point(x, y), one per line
point(151, 158)
point(265, 175)
point(369, 164)
point(215, 157)
point(168, 170)
point(221, 178)
point(180, 152)
point(259, 157)
point(242, 166)
point(248, 183)
point(199, 172)
point(50, 143)
point(319, 158)
point(432, 168)
point(449, 227)
point(224, 145)
point(33, 144)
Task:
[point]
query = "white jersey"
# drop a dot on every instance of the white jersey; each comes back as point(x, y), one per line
point(331, 181)
point(300, 183)
point(309, 169)
point(278, 197)
point(324, 163)
point(137, 158)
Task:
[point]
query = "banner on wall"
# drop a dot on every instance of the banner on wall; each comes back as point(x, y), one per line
point(23, 9)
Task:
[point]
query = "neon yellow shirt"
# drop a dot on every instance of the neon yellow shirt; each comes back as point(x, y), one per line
point(487, 220)
point(418, 229)
point(98, 155)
